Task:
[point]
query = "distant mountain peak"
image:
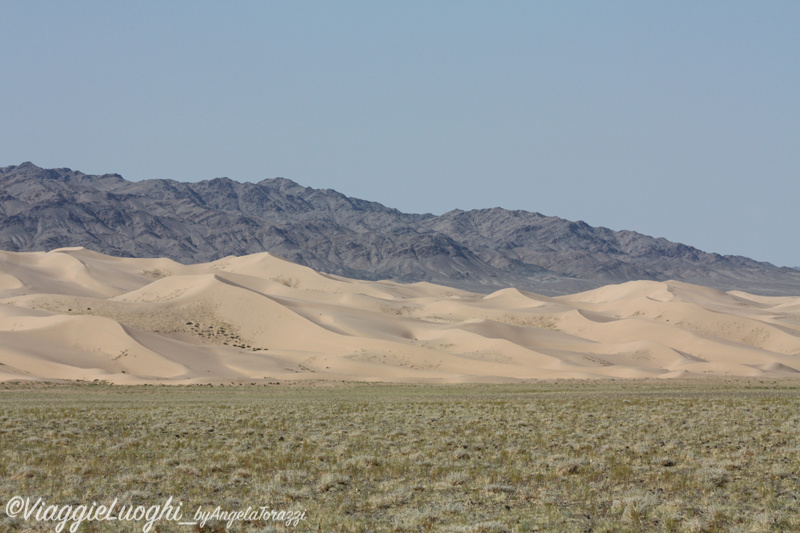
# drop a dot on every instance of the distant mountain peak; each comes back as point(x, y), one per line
point(482, 249)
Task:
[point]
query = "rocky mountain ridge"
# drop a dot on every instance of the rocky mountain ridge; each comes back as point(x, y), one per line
point(485, 249)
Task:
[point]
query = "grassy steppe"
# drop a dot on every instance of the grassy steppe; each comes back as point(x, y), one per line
point(704, 455)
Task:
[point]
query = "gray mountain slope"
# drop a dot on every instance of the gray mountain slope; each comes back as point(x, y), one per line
point(486, 249)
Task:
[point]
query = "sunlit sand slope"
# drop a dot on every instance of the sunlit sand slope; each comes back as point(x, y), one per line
point(78, 315)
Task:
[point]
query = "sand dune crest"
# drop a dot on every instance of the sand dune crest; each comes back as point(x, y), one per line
point(76, 314)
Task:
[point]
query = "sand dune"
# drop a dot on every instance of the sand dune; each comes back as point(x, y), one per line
point(78, 315)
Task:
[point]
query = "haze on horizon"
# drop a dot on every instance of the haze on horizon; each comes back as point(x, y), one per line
point(677, 120)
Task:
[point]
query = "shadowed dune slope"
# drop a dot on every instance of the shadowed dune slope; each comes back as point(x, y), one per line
point(78, 315)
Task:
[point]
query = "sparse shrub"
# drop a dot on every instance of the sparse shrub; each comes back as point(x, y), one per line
point(548, 457)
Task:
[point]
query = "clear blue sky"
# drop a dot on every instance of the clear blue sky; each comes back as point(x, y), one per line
point(674, 119)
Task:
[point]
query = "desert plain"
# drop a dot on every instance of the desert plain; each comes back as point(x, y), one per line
point(253, 382)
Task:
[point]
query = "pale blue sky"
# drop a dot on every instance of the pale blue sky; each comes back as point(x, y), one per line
point(674, 119)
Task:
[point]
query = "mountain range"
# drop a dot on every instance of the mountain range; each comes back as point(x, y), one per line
point(479, 250)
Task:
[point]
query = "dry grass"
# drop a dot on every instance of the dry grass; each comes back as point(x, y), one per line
point(708, 455)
